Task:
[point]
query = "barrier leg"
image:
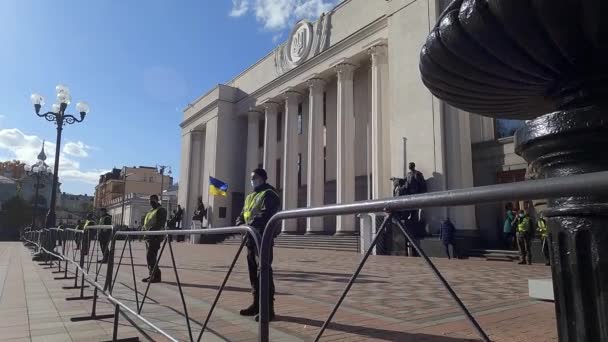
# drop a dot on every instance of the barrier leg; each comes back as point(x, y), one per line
point(181, 293)
point(219, 292)
point(354, 277)
point(119, 263)
point(445, 284)
point(133, 272)
point(143, 300)
point(82, 285)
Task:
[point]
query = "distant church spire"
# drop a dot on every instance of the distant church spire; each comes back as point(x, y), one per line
point(42, 155)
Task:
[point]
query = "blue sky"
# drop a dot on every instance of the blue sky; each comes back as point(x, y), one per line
point(137, 64)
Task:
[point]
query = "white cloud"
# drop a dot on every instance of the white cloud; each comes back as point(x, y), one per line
point(276, 37)
point(26, 148)
point(2, 116)
point(76, 149)
point(278, 14)
point(239, 8)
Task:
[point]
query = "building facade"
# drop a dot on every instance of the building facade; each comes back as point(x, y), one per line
point(136, 206)
point(72, 208)
point(332, 114)
point(143, 180)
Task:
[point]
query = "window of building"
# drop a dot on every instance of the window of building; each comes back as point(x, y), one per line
point(324, 108)
point(300, 126)
point(261, 124)
point(278, 180)
point(279, 125)
point(506, 128)
point(299, 169)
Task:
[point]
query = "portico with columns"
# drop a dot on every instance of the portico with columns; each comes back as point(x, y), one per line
point(331, 115)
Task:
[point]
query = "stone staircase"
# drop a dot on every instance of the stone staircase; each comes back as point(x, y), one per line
point(318, 242)
point(494, 254)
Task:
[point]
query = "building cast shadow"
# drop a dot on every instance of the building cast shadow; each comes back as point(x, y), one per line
point(380, 334)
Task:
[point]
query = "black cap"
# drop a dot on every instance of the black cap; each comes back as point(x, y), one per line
point(262, 173)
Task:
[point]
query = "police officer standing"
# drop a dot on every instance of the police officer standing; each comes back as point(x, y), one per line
point(155, 220)
point(86, 235)
point(524, 231)
point(104, 235)
point(541, 227)
point(260, 206)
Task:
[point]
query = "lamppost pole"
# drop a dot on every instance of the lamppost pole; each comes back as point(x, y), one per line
point(59, 116)
point(162, 169)
point(50, 217)
point(124, 194)
point(35, 200)
point(37, 170)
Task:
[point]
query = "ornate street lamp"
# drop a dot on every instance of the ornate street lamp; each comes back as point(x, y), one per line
point(59, 116)
point(37, 170)
point(543, 61)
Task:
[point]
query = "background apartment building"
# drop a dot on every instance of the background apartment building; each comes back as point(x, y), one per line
point(141, 180)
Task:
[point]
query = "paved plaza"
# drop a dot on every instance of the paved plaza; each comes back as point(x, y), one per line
point(394, 299)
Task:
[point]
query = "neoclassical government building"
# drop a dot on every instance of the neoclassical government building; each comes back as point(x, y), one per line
point(332, 114)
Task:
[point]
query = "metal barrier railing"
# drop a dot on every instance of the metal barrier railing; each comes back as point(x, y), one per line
point(578, 185)
point(112, 276)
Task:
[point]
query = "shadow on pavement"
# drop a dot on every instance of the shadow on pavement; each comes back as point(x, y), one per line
point(380, 334)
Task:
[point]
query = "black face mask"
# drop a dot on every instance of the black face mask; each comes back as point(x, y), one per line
point(153, 204)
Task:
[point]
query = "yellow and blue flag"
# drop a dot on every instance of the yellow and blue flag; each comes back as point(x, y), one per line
point(217, 187)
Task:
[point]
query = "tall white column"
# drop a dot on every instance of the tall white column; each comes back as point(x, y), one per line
point(253, 121)
point(345, 180)
point(380, 130)
point(290, 152)
point(314, 177)
point(270, 141)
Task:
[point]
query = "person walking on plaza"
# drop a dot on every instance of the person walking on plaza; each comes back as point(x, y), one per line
point(260, 206)
point(543, 231)
point(524, 238)
point(507, 227)
point(104, 235)
point(179, 216)
point(155, 220)
point(447, 235)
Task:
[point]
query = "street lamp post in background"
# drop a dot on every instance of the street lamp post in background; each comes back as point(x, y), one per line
point(58, 115)
point(161, 170)
point(124, 194)
point(37, 170)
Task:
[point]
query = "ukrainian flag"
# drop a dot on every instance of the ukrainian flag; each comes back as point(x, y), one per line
point(217, 187)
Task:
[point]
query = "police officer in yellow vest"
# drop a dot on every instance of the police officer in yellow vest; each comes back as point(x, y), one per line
point(260, 206)
point(543, 231)
point(155, 219)
point(524, 237)
point(104, 235)
point(86, 236)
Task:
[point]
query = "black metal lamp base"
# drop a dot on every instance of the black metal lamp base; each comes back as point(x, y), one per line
point(560, 144)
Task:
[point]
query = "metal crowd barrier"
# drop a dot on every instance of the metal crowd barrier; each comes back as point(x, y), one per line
point(113, 276)
point(578, 185)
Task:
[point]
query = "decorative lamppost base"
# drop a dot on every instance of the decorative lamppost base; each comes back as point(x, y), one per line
point(560, 144)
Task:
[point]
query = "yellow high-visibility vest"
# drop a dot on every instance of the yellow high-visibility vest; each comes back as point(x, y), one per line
point(523, 226)
point(542, 228)
point(150, 219)
point(253, 204)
